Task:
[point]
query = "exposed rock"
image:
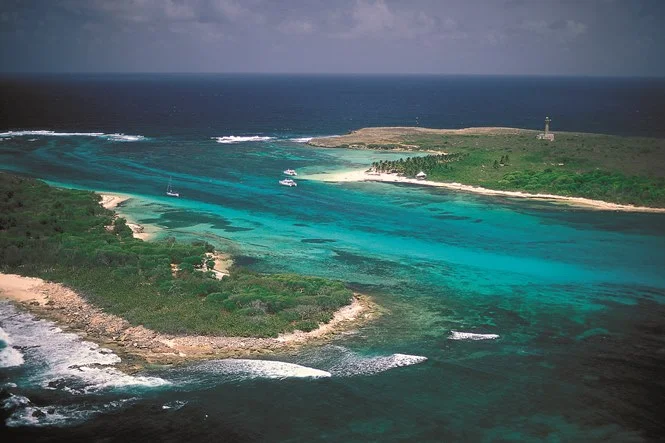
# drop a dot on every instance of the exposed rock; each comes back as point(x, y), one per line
point(65, 306)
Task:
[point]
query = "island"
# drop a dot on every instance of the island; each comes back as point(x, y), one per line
point(66, 257)
point(595, 170)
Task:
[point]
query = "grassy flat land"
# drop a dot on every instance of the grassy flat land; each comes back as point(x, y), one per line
point(65, 236)
point(616, 169)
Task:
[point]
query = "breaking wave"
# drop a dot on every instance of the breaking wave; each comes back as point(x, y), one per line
point(230, 139)
point(24, 413)
point(124, 137)
point(301, 139)
point(65, 361)
point(355, 364)
point(242, 369)
point(9, 356)
point(343, 362)
point(456, 335)
point(174, 405)
point(113, 137)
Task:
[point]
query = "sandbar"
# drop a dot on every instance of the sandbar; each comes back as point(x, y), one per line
point(363, 175)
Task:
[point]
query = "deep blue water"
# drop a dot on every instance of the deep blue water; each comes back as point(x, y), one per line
point(315, 105)
point(575, 296)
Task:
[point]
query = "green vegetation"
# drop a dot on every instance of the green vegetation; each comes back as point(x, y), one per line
point(65, 236)
point(439, 164)
point(616, 169)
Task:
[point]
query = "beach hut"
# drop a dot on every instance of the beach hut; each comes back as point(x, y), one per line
point(421, 175)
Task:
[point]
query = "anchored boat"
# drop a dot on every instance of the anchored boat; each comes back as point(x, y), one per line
point(169, 190)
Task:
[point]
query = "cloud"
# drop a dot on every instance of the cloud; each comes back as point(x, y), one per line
point(374, 18)
point(295, 27)
point(203, 20)
point(166, 11)
point(209, 32)
point(561, 30)
point(179, 11)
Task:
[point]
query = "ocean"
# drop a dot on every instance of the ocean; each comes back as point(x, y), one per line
point(505, 319)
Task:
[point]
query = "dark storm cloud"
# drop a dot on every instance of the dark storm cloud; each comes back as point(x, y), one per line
point(592, 37)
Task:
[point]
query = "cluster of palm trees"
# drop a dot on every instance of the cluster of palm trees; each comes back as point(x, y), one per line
point(413, 165)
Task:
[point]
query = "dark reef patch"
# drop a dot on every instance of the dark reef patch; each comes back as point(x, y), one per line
point(178, 219)
point(367, 264)
point(244, 260)
point(317, 240)
point(451, 217)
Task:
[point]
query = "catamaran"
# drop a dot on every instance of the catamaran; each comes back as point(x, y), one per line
point(169, 190)
point(288, 182)
point(291, 172)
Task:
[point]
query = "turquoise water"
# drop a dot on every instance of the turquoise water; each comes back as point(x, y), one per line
point(575, 297)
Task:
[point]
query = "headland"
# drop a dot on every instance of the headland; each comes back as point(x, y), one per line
point(594, 170)
point(66, 257)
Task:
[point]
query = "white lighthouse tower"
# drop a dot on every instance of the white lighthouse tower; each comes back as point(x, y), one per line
point(547, 135)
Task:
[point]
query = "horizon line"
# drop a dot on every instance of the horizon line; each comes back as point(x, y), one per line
point(358, 74)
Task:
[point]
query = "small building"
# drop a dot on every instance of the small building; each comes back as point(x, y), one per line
point(421, 175)
point(547, 135)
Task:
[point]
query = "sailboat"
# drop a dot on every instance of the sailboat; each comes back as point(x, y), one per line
point(169, 190)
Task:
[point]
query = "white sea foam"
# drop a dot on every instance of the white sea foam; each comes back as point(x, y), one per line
point(456, 335)
point(175, 405)
point(50, 134)
point(124, 137)
point(9, 356)
point(85, 380)
point(65, 361)
point(15, 401)
point(25, 413)
point(240, 369)
point(301, 139)
point(43, 133)
point(352, 363)
point(46, 416)
point(230, 139)
point(343, 362)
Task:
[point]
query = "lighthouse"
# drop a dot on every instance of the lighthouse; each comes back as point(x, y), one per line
point(547, 135)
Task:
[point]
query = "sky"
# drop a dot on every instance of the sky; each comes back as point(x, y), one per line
point(487, 37)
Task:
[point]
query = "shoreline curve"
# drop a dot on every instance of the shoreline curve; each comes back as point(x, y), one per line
point(363, 176)
point(138, 345)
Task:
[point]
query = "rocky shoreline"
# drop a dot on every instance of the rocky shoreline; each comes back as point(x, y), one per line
point(138, 345)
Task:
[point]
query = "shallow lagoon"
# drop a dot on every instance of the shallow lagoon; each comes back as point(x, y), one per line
point(575, 296)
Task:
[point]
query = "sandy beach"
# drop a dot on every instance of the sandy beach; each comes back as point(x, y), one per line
point(112, 201)
point(363, 175)
point(69, 310)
